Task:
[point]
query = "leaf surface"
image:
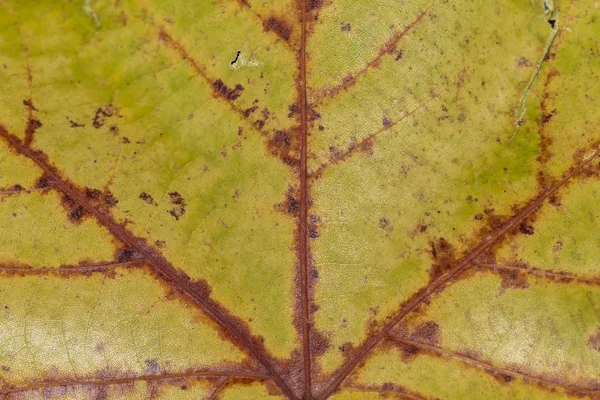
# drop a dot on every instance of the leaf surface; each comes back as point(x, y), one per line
point(299, 199)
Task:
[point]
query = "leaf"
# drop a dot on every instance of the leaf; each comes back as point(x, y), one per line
point(299, 199)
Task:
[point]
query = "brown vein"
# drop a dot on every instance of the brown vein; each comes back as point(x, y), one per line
point(217, 388)
point(367, 141)
point(387, 49)
point(399, 392)
point(143, 378)
point(200, 71)
point(461, 265)
point(564, 277)
point(494, 370)
point(68, 269)
point(198, 294)
point(303, 220)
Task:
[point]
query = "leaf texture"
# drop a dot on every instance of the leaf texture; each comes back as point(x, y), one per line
point(307, 199)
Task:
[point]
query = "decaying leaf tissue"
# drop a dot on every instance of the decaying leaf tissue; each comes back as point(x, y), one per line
point(300, 199)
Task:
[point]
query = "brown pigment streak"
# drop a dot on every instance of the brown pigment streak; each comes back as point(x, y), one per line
point(461, 265)
point(145, 378)
point(303, 220)
point(200, 70)
point(80, 269)
point(388, 48)
point(159, 263)
point(563, 277)
point(354, 147)
point(490, 367)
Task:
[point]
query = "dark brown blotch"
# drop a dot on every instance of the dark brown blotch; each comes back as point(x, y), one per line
point(226, 92)
point(147, 198)
point(178, 203)
point(279, 26)
point(75, 211)
point(102, 113)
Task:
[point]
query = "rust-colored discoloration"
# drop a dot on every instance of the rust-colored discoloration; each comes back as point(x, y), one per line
point(366, 144)
point(286, 146)
point(230, 325)
point(502, 375)
point(32, 125)
point(389, 48)
point(487, 240)
point(279, 26)
point(427, 332)
point(444, 257)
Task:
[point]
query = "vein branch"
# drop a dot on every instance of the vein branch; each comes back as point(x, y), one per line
point(387, 49)
point(143, 378)
point(197, 293)
point(460, 266)
point(555, 276)
point(498, 371)
point(303, 221)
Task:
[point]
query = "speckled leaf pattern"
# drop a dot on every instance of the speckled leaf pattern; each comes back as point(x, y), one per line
point(299, 199)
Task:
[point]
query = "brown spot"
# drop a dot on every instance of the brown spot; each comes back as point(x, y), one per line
point(409, 351)
point(32, 126)
point(93, 193)
point(284, 145)
point(385, 224)
point(386, 122)
point(126, 255)
point(315, 4)
point(29, 104)
point(292, 205)
point(478, 217)
point(526, 228)
point(513, 278)
point(250, 110)
point(345, 26)
point(427, 332)
point(75, 211)
point(109, 199)
point(226, 92)
point(399, 55)
point(147, 198)
point(594, 341)
point(43, 183)
point(102, 113)
point(523, 62)
point(179, 205)
point(279, 26)
point(444, 257)
point(75, 124)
